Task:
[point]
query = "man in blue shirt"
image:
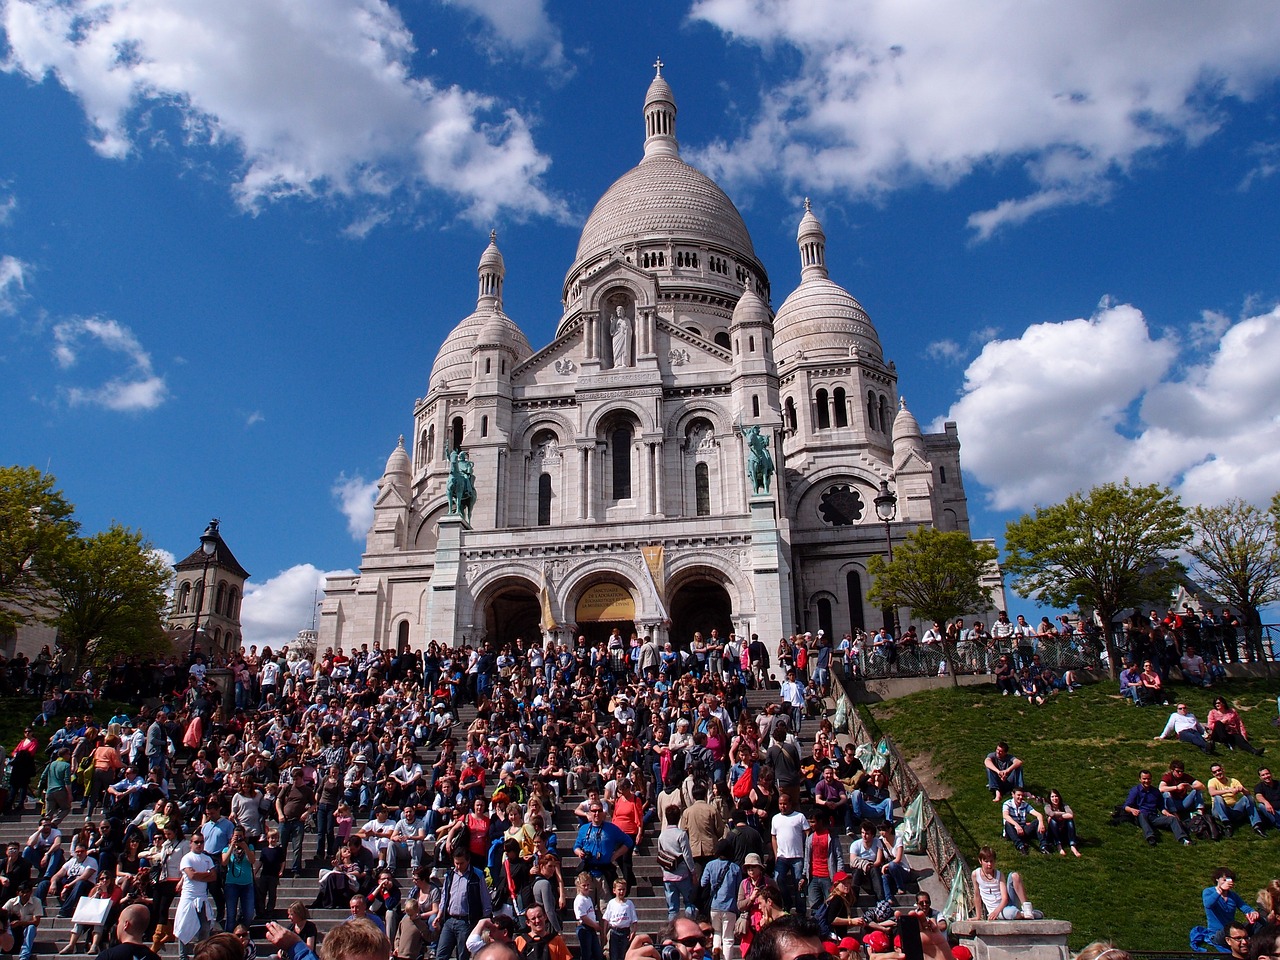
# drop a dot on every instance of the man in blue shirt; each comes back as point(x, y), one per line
point(1145, 805)
point(599, 844)
point(1221, 903)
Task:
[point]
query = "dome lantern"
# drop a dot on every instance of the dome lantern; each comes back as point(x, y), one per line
point(813, 245)
point(660, 118)
point(492, 270)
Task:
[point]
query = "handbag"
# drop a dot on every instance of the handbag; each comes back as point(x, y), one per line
point(667, 860)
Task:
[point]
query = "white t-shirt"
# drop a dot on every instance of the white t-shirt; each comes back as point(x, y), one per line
point(200, 863)
point(270, 673)
point(788, 829)
point(618, 915)
point(584, 906)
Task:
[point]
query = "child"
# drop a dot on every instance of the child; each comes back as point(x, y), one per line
point(584, 908)
point(242, 934)
point(411, 934)
point(619, 917)
point(343, 821)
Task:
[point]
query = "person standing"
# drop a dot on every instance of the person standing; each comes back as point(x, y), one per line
point(194, 916)
point(790, 829)
point(295, 802)
point(464, 899)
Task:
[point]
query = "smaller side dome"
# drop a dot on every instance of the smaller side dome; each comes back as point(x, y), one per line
point(501, 332)
point(750, 308)
point(398, 462)
point(907, 437)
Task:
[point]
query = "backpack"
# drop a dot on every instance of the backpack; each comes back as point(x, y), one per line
point(1203, 827)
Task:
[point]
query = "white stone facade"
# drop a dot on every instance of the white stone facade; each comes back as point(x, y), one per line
point(624, 435)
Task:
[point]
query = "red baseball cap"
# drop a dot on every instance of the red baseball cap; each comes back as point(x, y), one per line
point(876, 941)
point(961, 952)
point(840, 877)
point(831, 948)
point(851, 943)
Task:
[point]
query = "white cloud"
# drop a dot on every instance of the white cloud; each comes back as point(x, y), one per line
point(253, 418)
point(355, 500)
point(886, 94)
point(13, 281)
point(521, 25)
point(273, 612)
point(319, 97)
point(137, 389)
point(7, 206)
point(946, 351)
point(1072, 404)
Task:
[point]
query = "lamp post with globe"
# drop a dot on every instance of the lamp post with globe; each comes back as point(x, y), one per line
point(887, 510)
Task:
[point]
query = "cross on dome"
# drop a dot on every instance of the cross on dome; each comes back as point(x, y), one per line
point(658, 65)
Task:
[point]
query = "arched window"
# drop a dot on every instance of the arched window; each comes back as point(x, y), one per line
point(199, 600)
point(853, 584)
point(220, 599)
point(429, 445)
point(751, 344)
point(755, 405)
point(702, 489)
point(884, 414)
point(824, 410)
point(871, 410)
point(457, 434)
point(942, 474)
point(824, 616)
point(402, 636)
point(695, 331)
point(484, 426)
point(722, 339)
point(620, 452)
point(233, 603)
point(544, 500)
point(488, 365)
point(184, 597)
point(791, 415)
point(842, 407)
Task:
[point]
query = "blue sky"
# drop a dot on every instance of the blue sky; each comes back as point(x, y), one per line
point(233, 235)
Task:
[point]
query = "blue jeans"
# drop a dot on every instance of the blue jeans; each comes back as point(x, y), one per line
point(875, 812)
point(817, 892)
point(896, 878)
point(239, 904)
point(289, 831)
point(1062, 833)
point(1246, 809)
point(678, 892)
point(787, 871)
point(1188, 805)
point(28, 942)
point(589, 944)
point(326, 845)
point(453, 935)
point(1013, 779)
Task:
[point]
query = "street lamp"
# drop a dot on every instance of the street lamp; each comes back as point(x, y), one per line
point(208, 546)
point(887, 510)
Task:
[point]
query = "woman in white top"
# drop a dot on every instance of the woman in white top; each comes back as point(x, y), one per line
point(1001, 899)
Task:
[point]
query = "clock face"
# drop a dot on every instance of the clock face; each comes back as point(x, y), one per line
point(841, 505)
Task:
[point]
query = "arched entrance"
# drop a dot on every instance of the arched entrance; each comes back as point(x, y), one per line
point(603, 607)
point(700, 604)
point(512, 611)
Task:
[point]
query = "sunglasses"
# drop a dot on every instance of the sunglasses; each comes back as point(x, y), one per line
point(701, 941)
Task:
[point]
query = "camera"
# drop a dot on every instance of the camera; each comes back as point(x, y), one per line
point(671, 952)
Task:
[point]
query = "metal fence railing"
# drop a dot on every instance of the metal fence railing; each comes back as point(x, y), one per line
point(940, 846)
point(1253, 646)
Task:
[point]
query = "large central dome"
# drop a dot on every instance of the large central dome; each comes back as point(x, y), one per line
point(664, 197)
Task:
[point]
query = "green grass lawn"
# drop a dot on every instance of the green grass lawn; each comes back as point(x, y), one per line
point(1090, 745)
point(16, 713)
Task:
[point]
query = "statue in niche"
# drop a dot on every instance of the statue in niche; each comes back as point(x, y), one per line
point(620, 335)
point(460, 488)
point(759, 462)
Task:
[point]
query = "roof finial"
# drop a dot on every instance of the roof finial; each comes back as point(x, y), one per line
point(902, 403)
point(401, 443)
point(657, 65)
point(493, 236)
point(806, 205)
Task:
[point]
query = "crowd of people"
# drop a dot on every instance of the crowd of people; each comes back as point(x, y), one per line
point(354, 768)
point(348, 766)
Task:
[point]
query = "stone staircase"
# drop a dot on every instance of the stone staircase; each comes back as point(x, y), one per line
point(54, 932)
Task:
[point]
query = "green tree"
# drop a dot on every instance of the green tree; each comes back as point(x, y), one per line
point(1237, 559)
point(111, 592)
point(938, 575)
point(1108, 549)
point(35, 523)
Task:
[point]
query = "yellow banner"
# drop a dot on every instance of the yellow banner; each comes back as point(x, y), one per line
point(606, 601)
point(655, 562)
point(544, 601)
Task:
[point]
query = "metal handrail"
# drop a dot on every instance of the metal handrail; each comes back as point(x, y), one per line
point(940, 847)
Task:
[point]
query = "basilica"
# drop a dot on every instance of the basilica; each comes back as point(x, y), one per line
point(610, 468)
